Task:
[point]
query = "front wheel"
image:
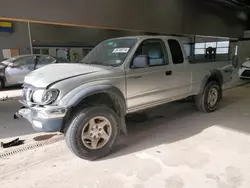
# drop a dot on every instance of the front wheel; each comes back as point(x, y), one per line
point(93, 132)
point(209, 99)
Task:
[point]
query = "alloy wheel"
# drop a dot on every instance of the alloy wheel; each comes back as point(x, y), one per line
point(212, 97)
point(96, 132)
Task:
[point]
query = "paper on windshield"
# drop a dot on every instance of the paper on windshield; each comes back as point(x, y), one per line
point(120, 50)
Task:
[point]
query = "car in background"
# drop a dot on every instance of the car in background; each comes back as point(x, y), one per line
point(244, 70)
point(14, 69)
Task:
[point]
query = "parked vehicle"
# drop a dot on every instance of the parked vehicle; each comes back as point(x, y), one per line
point(13, 70)
point(244, 70)
point(88, 101)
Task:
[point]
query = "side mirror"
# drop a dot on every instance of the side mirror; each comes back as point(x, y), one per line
point(141, 61)
point(14, 65)
point(235, 61)
point(247, 59)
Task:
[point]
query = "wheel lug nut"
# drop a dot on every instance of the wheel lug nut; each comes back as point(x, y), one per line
point(100, 129)
point(99, 134)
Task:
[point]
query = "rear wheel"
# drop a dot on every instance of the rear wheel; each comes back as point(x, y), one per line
point(93, 132)
point(209, 99)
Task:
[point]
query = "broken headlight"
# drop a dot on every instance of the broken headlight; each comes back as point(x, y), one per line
point(45, 96)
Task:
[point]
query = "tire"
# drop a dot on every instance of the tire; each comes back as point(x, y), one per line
point(202, 100)
point(81, 121)
point(2, 84)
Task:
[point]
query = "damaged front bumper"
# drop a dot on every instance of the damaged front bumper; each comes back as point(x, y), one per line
point(43, 119)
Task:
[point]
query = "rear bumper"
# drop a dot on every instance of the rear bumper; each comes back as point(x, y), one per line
point(44, 119)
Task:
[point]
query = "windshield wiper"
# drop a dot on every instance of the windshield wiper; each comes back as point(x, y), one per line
point(96, 63)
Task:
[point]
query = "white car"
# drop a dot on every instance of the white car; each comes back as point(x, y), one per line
point(244, 71)
point(13, 70)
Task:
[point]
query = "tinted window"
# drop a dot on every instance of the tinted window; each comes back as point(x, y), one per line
point(154, 50)
point(61, 60)
point(45, 60)
point(26, 60)
point(176, 51)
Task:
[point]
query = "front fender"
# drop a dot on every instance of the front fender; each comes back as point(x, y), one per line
point(75, 99)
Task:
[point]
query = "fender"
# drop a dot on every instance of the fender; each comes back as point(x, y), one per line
point(214, 75)
point(109, 89)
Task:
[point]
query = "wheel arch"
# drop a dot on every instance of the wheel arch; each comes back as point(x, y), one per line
point(101, 94)
point(213, 75)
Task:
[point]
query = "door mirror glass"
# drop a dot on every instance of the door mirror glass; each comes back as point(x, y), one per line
point(141, 61)
point(14, 65)
point(247, 59)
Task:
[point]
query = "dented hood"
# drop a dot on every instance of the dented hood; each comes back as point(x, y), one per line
point(55, 72)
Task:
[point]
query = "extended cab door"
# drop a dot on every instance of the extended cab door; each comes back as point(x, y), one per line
point(150, 85)
point(181, 84)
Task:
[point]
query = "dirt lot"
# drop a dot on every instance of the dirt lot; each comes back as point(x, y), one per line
point(171, 146)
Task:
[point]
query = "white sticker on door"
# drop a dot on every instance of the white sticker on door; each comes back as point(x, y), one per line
point(120, 50)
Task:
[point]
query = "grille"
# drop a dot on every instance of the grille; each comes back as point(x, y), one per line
point(246, 73)
point(27, 92)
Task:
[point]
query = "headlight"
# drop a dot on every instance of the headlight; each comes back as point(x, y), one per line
point(50, 96)
point(37, 96)
point(45, 96)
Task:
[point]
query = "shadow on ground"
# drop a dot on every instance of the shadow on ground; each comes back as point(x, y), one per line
point(180, 120)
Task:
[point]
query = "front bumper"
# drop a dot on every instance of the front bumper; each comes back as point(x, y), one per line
point(244, 72)
point(49, 119)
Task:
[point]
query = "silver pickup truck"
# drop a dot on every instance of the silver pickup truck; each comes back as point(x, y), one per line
point(88, 101)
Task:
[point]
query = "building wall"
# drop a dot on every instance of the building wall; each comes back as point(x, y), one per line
point(43, 34)
point(18, 39)
point(167, 16)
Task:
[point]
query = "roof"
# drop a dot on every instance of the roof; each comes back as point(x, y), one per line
point(145, 37)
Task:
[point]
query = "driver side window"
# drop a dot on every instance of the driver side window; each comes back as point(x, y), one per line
point(154, 49)
point(25, 61)
point(45, 60)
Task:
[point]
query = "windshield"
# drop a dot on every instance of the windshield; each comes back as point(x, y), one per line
point(13, 59)
point(110, 53)
point(7, 61)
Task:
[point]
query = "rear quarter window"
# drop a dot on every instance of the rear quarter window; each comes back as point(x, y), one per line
point(176, 51)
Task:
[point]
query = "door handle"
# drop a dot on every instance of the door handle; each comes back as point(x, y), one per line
point(136, 77)
point(168, 73)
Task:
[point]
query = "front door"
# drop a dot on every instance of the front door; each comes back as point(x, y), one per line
point(151, 85)
point(19, 69)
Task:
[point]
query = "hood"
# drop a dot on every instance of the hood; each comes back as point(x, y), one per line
point(246, 64)
point(55, 72)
